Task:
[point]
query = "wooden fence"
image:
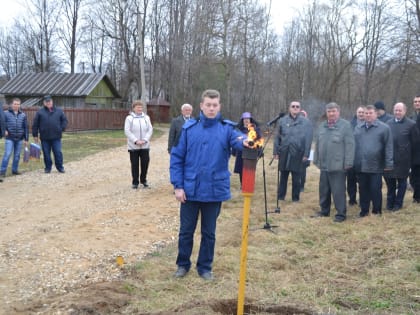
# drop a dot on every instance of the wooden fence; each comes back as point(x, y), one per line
point(87, 119)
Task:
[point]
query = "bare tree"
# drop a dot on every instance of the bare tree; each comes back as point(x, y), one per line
point(39, 28)
point(69, 31)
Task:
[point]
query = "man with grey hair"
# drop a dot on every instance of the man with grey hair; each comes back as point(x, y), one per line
point(333, 155)
point(396, 180)
point(176, 125)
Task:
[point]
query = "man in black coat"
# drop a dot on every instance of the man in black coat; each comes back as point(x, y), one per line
point(415, 161)
point(292, 146)
point(382, 114)
point(396, 180)
point(50, 122)
point(359, 118)
point(176, 125)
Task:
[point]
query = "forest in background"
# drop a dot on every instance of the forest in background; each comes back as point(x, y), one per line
point(351, 52)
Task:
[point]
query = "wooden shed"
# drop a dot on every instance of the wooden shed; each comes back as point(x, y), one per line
point(159, 110)
point(74, 90)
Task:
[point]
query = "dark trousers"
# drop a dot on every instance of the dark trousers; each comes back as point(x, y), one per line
point(396, 192)
point(351, 185)
point(415, 181)
point(141, 155)
point(189, 212)
point(305, 165)
point(333, 183)
point(370, 190)
point(55, 146)
point(282, 190)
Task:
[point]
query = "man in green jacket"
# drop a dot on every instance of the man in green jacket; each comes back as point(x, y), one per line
point(334, 155)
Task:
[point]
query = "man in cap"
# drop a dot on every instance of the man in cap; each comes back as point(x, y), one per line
point(49, 123)
point(380, 109)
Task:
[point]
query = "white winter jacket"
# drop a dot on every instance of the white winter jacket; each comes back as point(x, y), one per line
point(138, 127)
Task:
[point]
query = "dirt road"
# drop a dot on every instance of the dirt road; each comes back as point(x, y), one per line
point(61, 231)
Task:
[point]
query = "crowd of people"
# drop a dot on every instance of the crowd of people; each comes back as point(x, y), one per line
point(356, 155)
point(352, 156)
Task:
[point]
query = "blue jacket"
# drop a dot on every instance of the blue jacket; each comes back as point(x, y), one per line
point(2, 123)
point(199, 163)
point(50, 125)
point(16, 125)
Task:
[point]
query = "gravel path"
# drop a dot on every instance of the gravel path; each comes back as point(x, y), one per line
point(61, 231)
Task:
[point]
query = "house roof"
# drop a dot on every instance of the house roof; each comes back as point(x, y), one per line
point(56, 84)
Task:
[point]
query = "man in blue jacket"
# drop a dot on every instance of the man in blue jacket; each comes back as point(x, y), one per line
point(16, 133)
point(2, 127)
point(200, 175)
point(50, 122)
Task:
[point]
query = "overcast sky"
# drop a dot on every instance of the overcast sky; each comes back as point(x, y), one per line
point(282, 11)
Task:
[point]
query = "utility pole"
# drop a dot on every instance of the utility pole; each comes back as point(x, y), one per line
point(141, 57)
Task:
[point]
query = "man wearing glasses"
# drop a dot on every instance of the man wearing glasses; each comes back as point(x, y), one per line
point(292, 146)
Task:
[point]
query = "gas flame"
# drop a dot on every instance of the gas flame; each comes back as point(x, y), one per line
point(253, 140)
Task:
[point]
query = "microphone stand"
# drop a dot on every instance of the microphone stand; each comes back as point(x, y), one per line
point(267, 225)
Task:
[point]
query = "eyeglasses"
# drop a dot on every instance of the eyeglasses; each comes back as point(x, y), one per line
point(294, 106)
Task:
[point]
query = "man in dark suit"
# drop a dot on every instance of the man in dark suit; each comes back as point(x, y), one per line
point(176, 125)
point(396, 180)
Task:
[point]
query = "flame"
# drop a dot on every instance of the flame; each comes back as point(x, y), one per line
point(253, 140)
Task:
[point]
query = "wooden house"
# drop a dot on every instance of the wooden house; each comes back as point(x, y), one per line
point(70, 90)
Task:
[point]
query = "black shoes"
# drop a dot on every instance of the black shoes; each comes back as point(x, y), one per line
point(339, 219)
point(134, 186)
point(180, 272)
point(61, 170)
point(145, 185)
point(352, 202)
point(16, 173)
point(46, 171)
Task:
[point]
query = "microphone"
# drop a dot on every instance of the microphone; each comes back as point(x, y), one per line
point(273, 121)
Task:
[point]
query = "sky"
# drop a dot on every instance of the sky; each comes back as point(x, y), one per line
point(281, 11)
point(10, 10)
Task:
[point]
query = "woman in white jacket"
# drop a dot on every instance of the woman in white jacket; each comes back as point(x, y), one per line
point(138, 130)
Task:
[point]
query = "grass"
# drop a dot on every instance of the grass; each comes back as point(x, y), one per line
point(361, 266)
point(77, 145)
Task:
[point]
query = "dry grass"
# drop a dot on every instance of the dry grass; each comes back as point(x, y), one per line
point(361, 266)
